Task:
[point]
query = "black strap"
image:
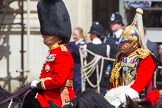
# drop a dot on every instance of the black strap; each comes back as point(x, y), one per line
point(158, 62)
point(16, 94)
point(53, 105)
point(26, 93)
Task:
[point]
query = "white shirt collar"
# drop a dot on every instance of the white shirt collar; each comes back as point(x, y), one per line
point(79, 41)
point(118, 33)
point(96, 41)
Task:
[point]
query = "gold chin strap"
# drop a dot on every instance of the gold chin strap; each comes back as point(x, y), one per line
point(49, 38)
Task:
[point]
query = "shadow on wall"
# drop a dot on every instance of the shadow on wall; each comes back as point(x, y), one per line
point(4, 47)
point(6, 20)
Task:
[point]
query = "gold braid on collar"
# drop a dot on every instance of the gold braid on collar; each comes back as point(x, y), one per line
point(142, 53)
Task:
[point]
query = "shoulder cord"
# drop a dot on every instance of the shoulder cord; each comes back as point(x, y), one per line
point(87, 69)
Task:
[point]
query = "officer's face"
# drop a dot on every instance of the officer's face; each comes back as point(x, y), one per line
point(115, 26)
point(48, 40)
point(127, 47)
point(92, 36)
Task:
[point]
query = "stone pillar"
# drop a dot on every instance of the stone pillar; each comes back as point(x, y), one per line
point(85, 13)
point(80, 13)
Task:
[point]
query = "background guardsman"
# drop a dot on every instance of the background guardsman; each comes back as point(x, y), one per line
point(55, 83)
point(134, 68)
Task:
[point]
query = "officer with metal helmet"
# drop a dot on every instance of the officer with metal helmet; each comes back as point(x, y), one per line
point(133, 69)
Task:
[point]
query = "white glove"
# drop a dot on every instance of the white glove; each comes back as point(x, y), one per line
point(113, 93)
point(122, 99)
point(133, 94)
point(34, 84)
point(116, 103)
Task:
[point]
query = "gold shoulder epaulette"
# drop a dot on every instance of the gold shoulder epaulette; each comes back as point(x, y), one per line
point(142, 53)
point(54, 46)
point(63, 47)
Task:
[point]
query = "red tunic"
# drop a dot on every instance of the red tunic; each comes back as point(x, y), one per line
point(55, 72)
point(144, 78)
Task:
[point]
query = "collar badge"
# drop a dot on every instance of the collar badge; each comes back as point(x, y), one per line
point(51, 57)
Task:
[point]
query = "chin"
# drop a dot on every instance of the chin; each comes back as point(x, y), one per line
point(45, 43)
point(125, 51)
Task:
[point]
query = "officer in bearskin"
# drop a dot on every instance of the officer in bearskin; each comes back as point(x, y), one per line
point(133, 70)
point(55, 81)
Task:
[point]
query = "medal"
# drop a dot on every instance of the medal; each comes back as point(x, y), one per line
point(47, 68)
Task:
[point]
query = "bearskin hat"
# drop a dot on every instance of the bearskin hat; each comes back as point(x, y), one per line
point(54, 19)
